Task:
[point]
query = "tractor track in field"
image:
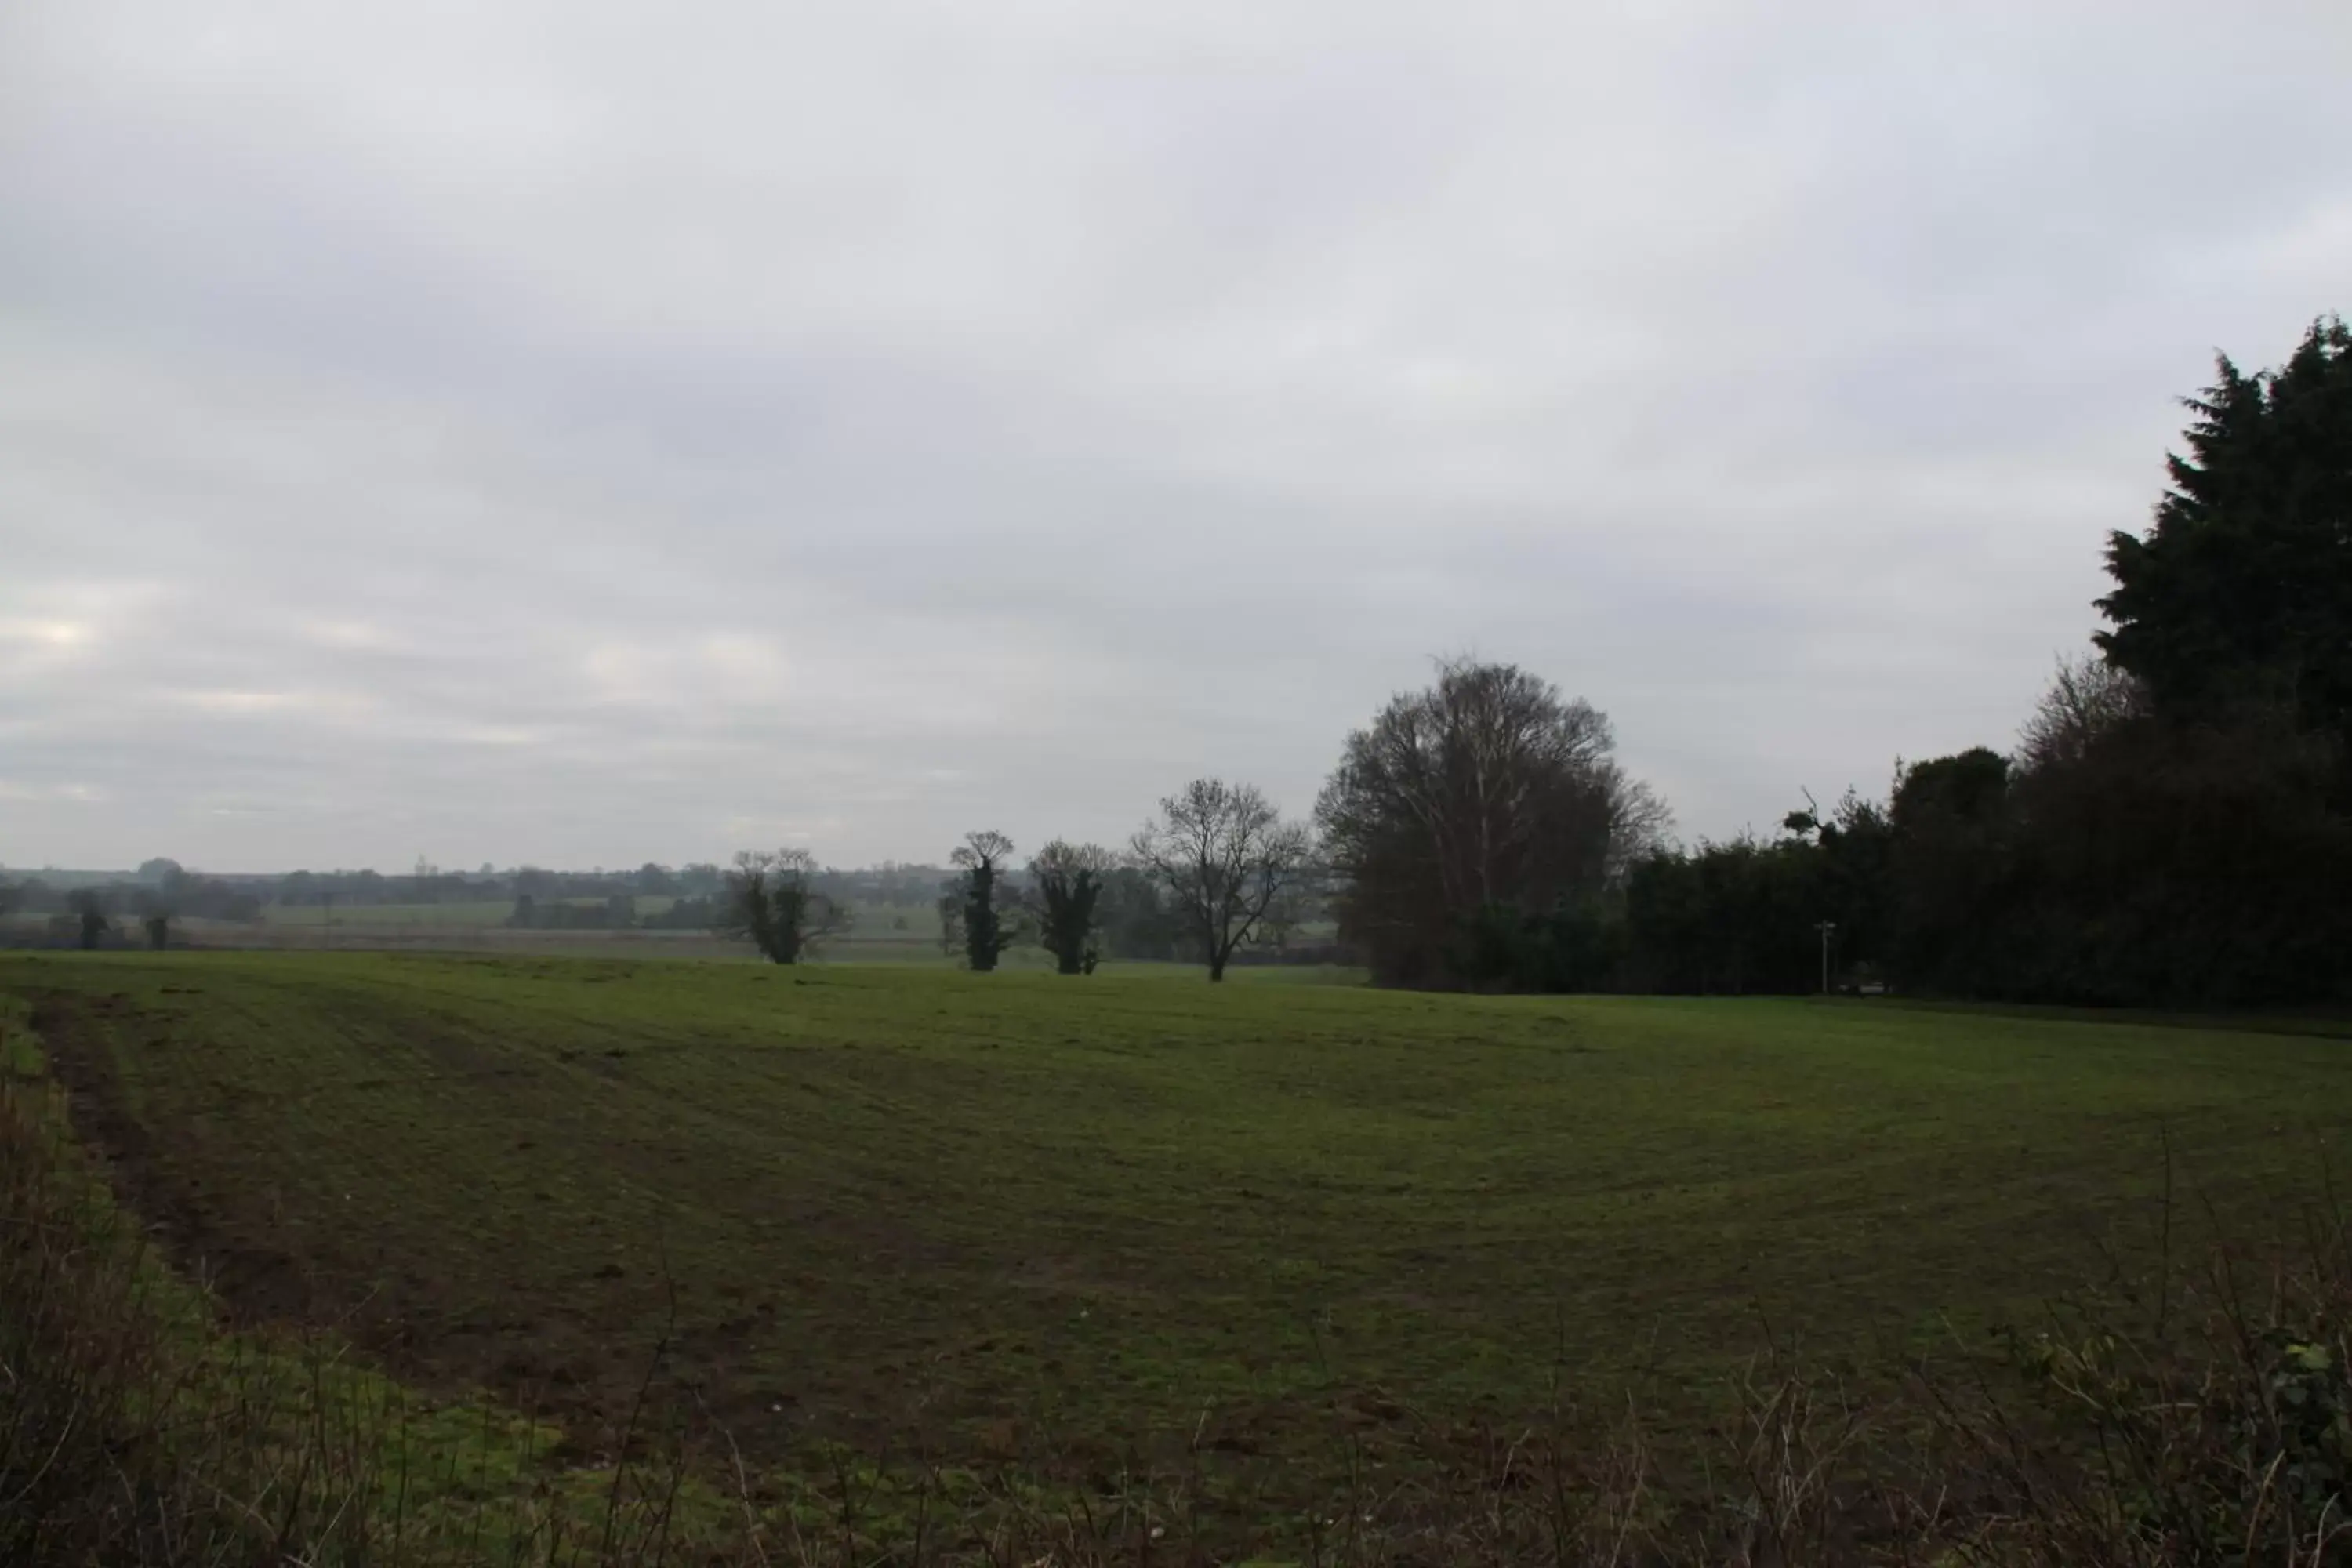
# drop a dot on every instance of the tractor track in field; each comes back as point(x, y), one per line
point(256, 1284)
point(255, 1281)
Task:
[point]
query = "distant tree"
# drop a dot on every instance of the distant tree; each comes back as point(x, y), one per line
point(950, 905)
point(1951, 859)
point(1222, 854)
point(1471, 808)
point(2244, 587)
point(654, 880)
point(979, 864)
point(1065, 887)
point(89, 909)
point(1842, 863)
point(2088, 700)
point(156, 870)
point(1136, 918)
point(2179, 864)
point(1292, 907)
point(683, 914)
point(155, 907)
point(1743, 916)
point(770, 900)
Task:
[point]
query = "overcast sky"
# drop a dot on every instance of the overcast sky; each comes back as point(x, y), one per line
point(584, 433)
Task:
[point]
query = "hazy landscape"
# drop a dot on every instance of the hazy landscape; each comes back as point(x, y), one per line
point(1316, 786)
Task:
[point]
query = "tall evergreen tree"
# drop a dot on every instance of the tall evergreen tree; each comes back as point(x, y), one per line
point(2243, 587)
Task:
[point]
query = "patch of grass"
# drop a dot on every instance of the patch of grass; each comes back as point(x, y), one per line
point(1035, 1219)
point(134, 1430)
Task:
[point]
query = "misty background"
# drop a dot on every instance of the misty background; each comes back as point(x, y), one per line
point(592, 434)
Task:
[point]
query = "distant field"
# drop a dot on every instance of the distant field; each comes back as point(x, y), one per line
point(875, 922)
point(475, 913)
point(1021, 1212)
point(480, 913)
point(882, 934)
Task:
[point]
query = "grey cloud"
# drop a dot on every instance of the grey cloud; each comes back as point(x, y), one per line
point(595, 431)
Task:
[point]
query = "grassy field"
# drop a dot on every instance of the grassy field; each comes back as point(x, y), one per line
point(1022, 1215)
point(472, 912)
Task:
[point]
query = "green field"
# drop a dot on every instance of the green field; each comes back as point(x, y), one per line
point(1021, 1214)
point(473, 912)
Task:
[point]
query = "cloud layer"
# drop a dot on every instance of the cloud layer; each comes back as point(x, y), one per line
point(589, 432)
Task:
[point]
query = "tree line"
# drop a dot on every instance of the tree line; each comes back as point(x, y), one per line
point(162, 892)
point(1217, 868)
point(2171, 827)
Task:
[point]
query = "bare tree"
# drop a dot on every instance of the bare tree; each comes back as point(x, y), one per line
point(771, 899)
point(2087, 697)
point(979, 860)
point(1641, 823)
point(1225, 855)
point(1066, 885)
point(1486, 793)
